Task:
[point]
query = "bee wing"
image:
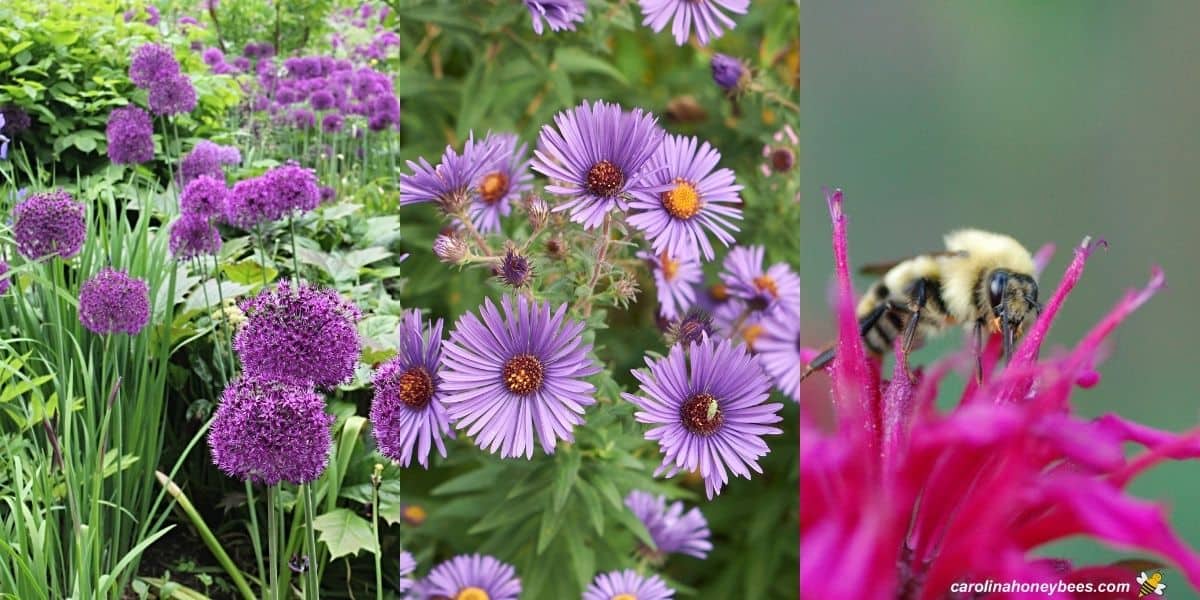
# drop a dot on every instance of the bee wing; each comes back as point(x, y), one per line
point(1160, 588)
point(1142, 577)
point(881, 268)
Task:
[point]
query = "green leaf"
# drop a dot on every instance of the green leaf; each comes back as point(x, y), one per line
point(576, 60)
point(248, 272)
point(482, 478)
point(564, 477)
point(344, 532)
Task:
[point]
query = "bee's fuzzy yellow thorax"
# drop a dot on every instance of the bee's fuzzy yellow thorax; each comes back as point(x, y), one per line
point(980, 251)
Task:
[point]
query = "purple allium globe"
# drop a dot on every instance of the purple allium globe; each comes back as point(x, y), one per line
point(777, 344)
point(15, 120)
point(763, 290)
point(207, 158)
point(249, 204)
point(710, 417)
point(472, 577)
point(299, 334)
point(152, 64)
point(292, 188)
point(507, 377)
point(700, 199)
point(204, 196)
point(707, 16)
point(193, 235)
point(49, 224)
point(560, 15)
point(627, 585)
point(506, 179)
point(452, 184)
point(332, 123)
point(729, 73)
point(113, 302)
point(5, 278)
point(172, 96)
point(596, 156)
point(130, 136)
point(270, 432)
point(407, 414)
point(675, 278)
point(673, 530)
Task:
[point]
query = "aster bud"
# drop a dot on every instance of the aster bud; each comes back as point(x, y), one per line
point(626, 289)
point(450, 249)
point(691, 329)
point(413, 514)
point(514, 269)
point(556, 248)
point(538, 211)
point(729, 73)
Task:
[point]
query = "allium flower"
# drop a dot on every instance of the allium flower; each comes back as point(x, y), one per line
point(673, 531)
point(627, 585)
point(699, 198)
point(212, 56)
point(675, 279)
point(474, 576)
point(207, 158)
point(450, 248)
point(453, 183)
point(299, 334)
point(321, 100)
point(193, 235)
point(903, 499)
point(777, 344)
point(152, 64)
point(291, 187)
point(303, 119)
point(113, 302)
point(50, 223)
point(729, 73)
point(14, 120)
point(514, 269)
point(777, 287)
point(508, 376)
point(710, 417)
point(408, 565)
point(204, 196)
point(501, 182)
point(710, 22)
point(270, 432)
point(559, 14)
point(130, 136)
point(5, 278)
point(691, 328)
point(407, 412)
point(172, 96)
point(595, 157)
point(249, 204)
point(332, 123)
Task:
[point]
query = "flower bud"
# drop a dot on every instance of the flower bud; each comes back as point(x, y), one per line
point(450, 249)
point(538, 211)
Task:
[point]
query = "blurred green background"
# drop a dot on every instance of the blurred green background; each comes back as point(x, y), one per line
point(1047, 121)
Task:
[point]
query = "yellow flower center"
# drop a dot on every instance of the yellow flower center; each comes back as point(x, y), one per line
point(624, 597)
point(669, 267)
point(415, 388)
point(766, 283)
point(523, 374)
point(493, 187)
point(719, 292)
point(751, 333)
point(472, 593)
point(414, 514)
point(683, 202)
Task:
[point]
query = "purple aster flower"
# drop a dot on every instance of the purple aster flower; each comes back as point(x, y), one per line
point(193, 235)
point(50, 223)
point(207, 158)
point(503, 181)
point(777, 343)
point(627, 585)
point(452, 184)
point(595, 157)
point(707, 16)
point(408, 565)
point(507, 376)
point(5, 278)
point(763, 290)
point(332, 123)
point(698, 198)
point(673, 531)
point(204, 196)
point(249, 204)
point(675, 279)
point(270, 432)
point(407, 412)
point(559, 14)
point(113, 302)
point(130, 136)
point(292, 188)
point(729, 73)
point(299, 334)
point(172, 96)
point(152, 64)
point(710, 417)
point(472, 577)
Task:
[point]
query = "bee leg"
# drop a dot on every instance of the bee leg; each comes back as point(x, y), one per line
point(818, 363)
point(919, 299)
point(979, 352)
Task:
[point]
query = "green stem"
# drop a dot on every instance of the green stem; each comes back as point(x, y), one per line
point(312, 589)
point(262, 250)
point(255, 536)
point(206, 535)
point(295, 260)
point(273, 541)
point(378, 550)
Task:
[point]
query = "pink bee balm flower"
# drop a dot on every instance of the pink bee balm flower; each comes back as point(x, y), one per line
point(902, 500)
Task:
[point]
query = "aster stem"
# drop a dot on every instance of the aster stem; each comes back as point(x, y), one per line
point(312, 588)
point(601, 253)
point(478, 238)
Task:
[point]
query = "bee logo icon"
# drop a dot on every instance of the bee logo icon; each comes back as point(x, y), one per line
point(1150, 584)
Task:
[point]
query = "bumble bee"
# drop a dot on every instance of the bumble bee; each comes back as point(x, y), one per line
point(982, 280)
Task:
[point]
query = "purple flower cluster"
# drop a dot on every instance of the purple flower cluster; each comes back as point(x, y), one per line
point(299, 334)
point(207, 158)
point(270, 432)
point(154, 68)
point(362, 33)
point(5, 278)
point(130, 136)
point(204, 196)
point(49, 223)
point(272, 196)
point(14, 120)
point(113, 302)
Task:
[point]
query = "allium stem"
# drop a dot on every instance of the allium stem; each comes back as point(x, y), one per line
point(262, 253)
point(228, 334)
point(312, 587)
point(255, 536)
point(295, 260)
point(273, 541)
point(206, 535)
point(375, 483)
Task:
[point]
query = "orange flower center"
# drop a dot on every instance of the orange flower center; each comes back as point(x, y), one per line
point(670, 268)
point(472, 593)
point(719, 292)
point(523, 374)
point(415, 388)
point(751, 333)
point(493, 187)
point(766, 283)
point(683, 202)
